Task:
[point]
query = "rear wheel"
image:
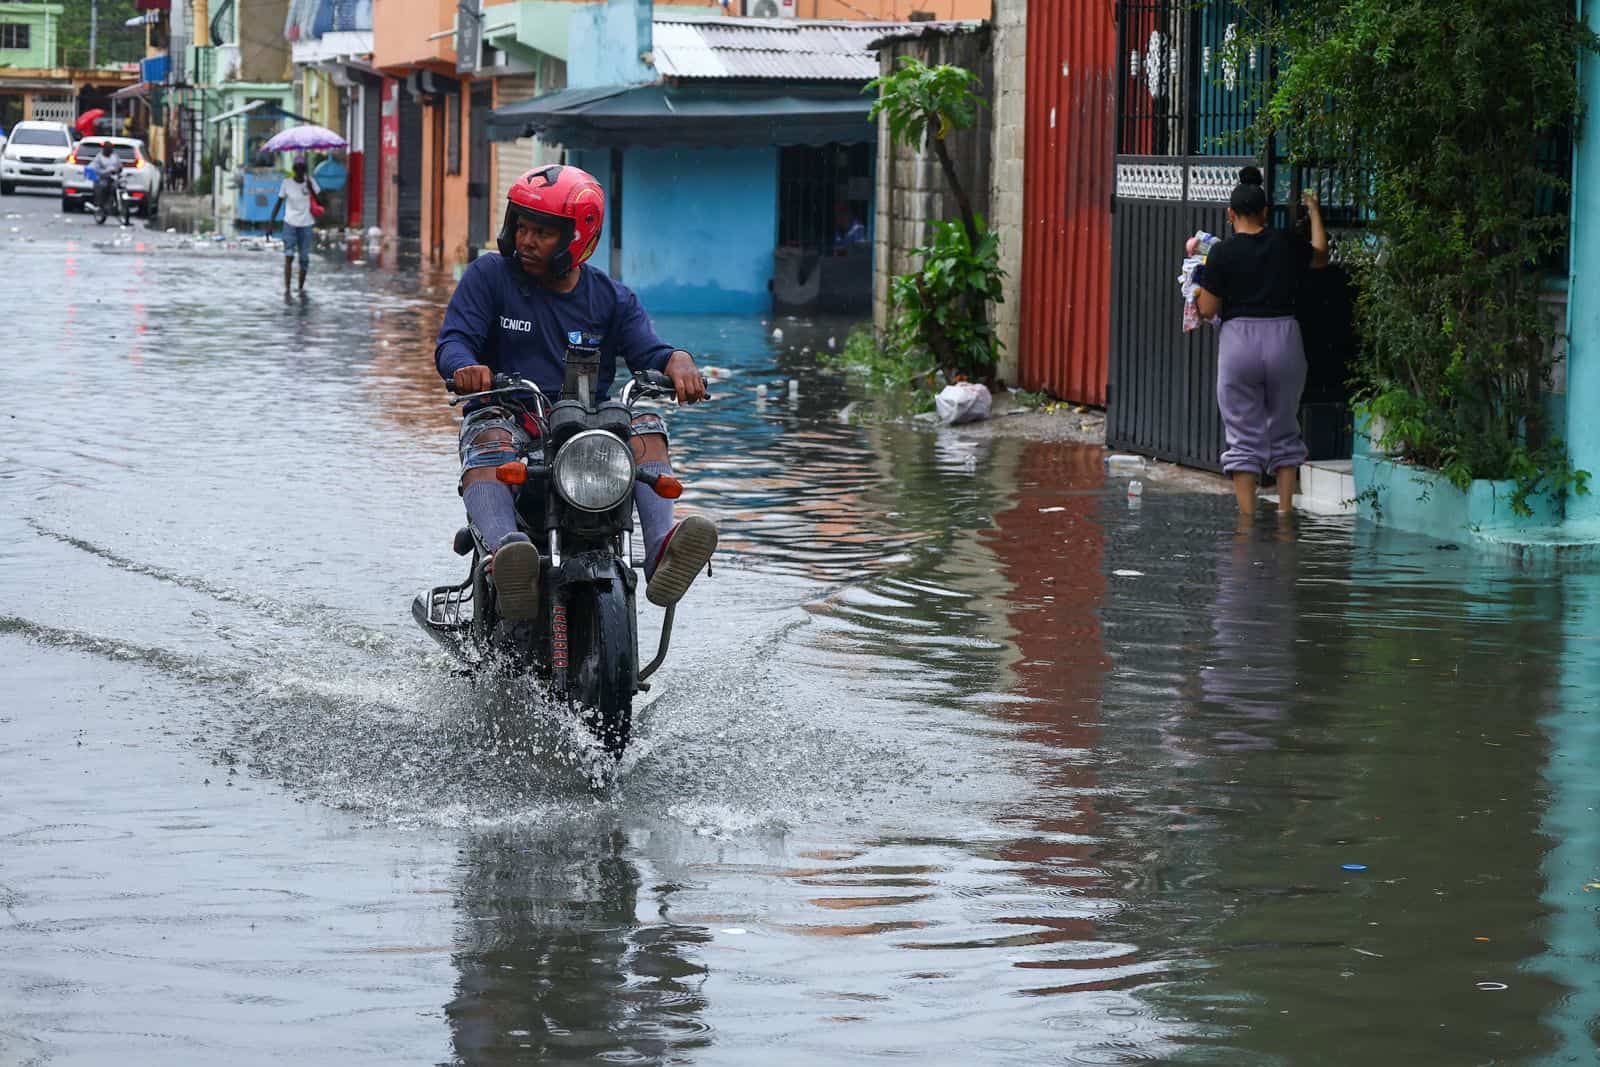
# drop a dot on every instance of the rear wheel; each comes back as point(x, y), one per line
point(602, 632)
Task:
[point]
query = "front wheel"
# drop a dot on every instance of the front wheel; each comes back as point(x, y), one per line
point(606, 662)
point(125, 209)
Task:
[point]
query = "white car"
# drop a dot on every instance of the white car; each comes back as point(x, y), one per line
point(143, 181)
point(34, 154)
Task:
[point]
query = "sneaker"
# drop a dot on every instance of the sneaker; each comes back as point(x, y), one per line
point(516, 577)
point(683, 555)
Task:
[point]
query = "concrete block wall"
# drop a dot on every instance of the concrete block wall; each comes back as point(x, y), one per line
point(1009, 49)
point(911, 187)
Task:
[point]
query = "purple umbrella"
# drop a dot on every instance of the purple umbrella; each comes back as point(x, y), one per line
point(305, 139)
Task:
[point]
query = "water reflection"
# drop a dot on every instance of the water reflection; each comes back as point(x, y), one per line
point(1571, 825)
point(1338, 853)
point(564, 955)
point(1254, 630)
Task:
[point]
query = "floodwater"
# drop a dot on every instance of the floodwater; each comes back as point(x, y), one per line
point(959, 758)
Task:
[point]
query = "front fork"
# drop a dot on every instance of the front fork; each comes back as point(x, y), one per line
point(560, 643)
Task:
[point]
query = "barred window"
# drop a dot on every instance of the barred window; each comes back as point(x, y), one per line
point(14, 35)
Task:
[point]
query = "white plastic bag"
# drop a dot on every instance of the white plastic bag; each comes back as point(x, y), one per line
point(963, 402)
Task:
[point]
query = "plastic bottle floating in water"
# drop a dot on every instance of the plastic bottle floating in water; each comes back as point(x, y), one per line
point(1135, 488)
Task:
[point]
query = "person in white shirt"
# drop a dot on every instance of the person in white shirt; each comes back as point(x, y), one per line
point(298, 193)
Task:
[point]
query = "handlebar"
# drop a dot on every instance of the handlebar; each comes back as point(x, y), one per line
point(499, 384)
point(649, 383)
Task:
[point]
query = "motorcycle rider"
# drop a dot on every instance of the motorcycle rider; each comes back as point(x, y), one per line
point(106, 165)
point(515, 313)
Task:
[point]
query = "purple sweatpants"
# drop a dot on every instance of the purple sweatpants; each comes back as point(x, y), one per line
point(1261, 372)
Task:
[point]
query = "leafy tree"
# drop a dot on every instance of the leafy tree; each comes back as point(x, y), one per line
point(942, 308)
point(115, 42)
point(1446, 107)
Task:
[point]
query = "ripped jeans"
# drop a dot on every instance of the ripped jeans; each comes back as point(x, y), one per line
point(494, 435)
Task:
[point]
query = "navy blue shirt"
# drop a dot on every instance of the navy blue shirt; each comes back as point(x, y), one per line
point(503, 319)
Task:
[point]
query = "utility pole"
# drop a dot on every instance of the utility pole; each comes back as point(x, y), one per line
point(94, 29)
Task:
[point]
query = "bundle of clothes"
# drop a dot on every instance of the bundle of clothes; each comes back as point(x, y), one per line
point(1195, 251)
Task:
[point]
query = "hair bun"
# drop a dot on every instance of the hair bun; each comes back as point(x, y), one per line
point(1251, 175)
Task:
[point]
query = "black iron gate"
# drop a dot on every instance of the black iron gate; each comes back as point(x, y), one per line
point(1189, 75)
point(1161, 393)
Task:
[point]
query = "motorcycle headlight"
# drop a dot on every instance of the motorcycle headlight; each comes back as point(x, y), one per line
point(594, 471)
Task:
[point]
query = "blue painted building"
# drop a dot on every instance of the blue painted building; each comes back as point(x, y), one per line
point(736, 153)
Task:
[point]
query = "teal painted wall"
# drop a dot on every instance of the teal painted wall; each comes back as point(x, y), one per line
point(1583, 307)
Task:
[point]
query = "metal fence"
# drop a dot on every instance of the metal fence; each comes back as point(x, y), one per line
point(1161, 396)
point(55, 109)
point(1188, 74)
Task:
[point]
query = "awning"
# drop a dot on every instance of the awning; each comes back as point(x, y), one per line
point(265, 109)
point(658, 116)
point(130, 91)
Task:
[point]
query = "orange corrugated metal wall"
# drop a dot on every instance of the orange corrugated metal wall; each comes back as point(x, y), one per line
point(1069, 168)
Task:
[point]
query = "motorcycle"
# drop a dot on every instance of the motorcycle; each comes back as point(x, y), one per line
point(115, 190)
point(574, 498)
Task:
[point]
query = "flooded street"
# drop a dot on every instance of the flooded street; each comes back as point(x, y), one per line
point(961, 756)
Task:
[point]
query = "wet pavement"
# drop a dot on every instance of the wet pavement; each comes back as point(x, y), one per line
point(960, 757)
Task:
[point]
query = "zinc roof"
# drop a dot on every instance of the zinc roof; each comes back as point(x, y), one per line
point(778, 49)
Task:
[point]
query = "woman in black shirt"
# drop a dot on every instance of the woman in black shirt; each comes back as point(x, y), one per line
point(1250, 280)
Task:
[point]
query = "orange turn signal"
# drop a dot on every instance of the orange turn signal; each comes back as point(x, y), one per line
point(511, 473)
point(667, 487)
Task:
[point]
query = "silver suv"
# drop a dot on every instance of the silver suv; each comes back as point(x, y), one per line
point(141, 174)
point(34, 154)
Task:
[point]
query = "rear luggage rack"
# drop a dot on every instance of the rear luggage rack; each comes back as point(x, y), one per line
point(446, 612)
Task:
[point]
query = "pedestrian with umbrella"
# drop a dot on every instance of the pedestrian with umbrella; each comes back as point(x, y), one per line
point(299, 193)
point(298, 196)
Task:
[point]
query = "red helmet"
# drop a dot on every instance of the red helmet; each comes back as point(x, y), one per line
point(564, 197)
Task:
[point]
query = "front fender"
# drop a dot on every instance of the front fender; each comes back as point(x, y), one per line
point(597, 566)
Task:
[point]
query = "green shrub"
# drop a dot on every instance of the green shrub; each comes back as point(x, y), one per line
point(942, 308)
point(1446, 106)
point(900, 375)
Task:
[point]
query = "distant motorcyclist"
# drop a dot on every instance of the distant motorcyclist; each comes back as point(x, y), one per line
point(516, 313)
point(106, 166)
